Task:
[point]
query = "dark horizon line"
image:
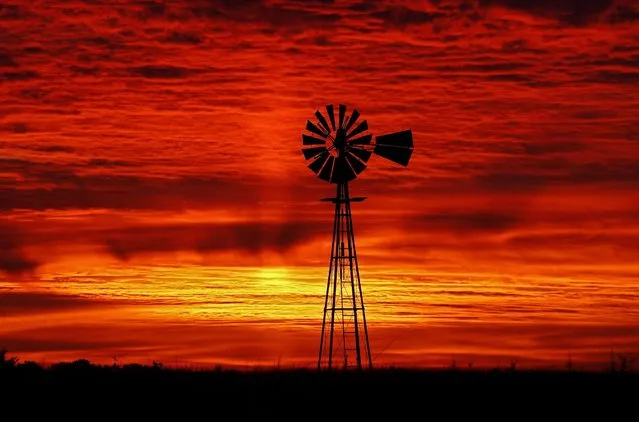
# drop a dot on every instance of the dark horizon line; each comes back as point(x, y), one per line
point(627, 364)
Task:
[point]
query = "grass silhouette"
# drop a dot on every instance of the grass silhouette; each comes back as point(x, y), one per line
point(86, 390)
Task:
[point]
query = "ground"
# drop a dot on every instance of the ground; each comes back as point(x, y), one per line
point(154, 392)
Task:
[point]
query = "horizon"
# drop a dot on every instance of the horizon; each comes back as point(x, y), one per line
point(155, 202)
point(617, 363)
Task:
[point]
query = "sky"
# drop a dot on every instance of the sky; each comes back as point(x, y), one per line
point(155, 205)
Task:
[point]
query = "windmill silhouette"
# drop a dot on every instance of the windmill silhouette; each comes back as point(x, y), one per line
point(339, 152)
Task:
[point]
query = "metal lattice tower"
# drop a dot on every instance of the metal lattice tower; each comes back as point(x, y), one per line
point(339, 152)
point(344, 302)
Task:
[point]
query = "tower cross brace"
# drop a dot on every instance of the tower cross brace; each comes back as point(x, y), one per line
point(344, 341)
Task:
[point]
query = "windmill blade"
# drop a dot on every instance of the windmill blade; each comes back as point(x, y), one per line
point(357, 165)
point(398, 139)
point(342, 112)
point(316, 165)
point(362, 154)
point(342, 172)
point(327, 170)
point(322, 121)
point(359, 129)
point(312, 152)
point(399, 155)
point(352, 120)
point(331, 115)
point(362, 140)
point(310, 126)
point(309, 140)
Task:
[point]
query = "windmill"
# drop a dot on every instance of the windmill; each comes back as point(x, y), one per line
point(338, 150)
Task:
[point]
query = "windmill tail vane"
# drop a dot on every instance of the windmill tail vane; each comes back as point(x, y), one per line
point(338, 148)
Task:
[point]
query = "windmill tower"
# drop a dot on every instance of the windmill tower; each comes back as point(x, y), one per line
point(338, 152)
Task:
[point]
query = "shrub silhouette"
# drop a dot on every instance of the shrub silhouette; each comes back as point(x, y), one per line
point(216, 393)
point(7, 363)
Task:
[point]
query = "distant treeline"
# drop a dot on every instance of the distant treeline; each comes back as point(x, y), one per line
point(158, 392)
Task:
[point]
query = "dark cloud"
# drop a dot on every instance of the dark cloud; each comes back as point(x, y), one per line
point(20, 128)
point(506, 77)
point(21, 303)
point(79, 185)
point(546, 148)
point(125, 241)
point(153, 8)
point(162, 72)
point(12, 12)
point(615, 77)
point(402, 16)
point(84, 70)
point(69, 198)
point(576, 241)
point(622, 171)
point(520, 173)
point(323, 3)
point(104, 162)
point(492, 65)
point(624, 14)
point(23, 75)
point(33, 49)
point(363, 6)
point(589, 335)
point(251, 237)
point(6, 60)
point(292, 16)
point(577, 12)
point(183, 38)
point(41, 171)
point(107, 191)
point(6, 164)
point(16, 127)
point(53, 148)
point(13, 263)
point(13, 260)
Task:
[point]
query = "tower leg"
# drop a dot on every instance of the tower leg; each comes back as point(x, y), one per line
point(327, 308)
point(344, 336)
point(357, 280)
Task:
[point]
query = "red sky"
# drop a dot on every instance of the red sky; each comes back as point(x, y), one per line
point(154, 202)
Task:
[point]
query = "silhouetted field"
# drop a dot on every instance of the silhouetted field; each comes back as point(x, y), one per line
point(81, 389)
